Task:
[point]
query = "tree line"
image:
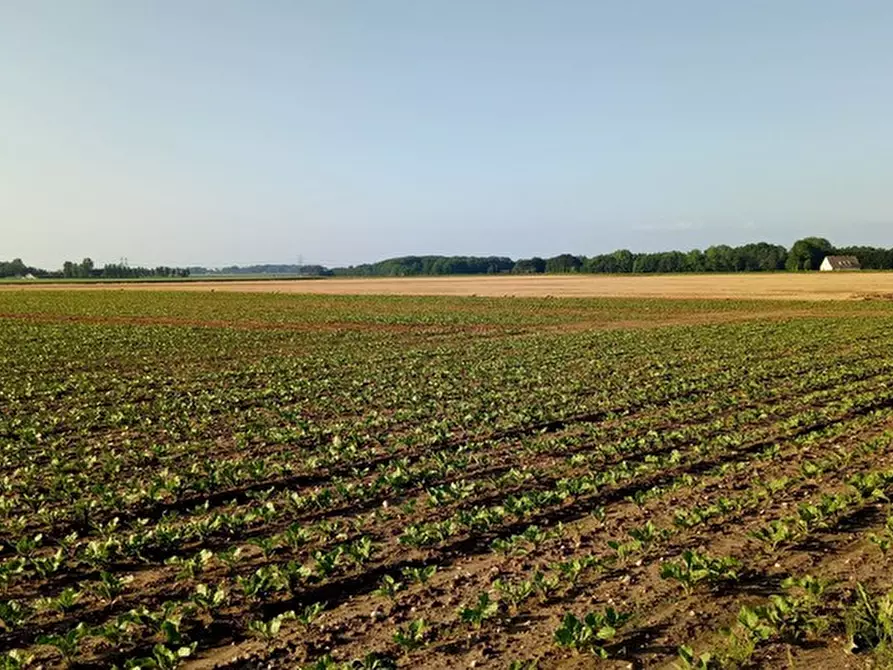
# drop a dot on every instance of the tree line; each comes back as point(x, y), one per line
point(86, 269)
point(430, 265)
point(806, 254)
point(265, 269)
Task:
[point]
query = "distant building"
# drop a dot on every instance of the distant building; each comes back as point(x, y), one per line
point(840, 263)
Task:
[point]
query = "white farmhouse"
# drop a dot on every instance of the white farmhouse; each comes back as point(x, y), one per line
point(840, 263)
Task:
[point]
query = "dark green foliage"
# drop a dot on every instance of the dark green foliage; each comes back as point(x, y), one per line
point(808, 253)
point(564, 263)
point(16, 268)
point(410, 266)
point(870, 258)
point(587, 633)
point(525, 266)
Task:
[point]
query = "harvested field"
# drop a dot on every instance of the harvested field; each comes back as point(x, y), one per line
point(247, 480)
point(781, 286)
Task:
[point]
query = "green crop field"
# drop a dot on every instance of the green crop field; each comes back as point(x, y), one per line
point(206, 480)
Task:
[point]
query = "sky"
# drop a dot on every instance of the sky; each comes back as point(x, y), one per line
point(215, 132)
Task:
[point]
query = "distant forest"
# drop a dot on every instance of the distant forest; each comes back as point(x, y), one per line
point(804, 255)
point(266, 269)
point(87, 270)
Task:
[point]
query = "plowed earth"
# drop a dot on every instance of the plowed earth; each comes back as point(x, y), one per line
point(556, 455)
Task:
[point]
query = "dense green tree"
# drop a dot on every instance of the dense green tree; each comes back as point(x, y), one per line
point(760, 256)
point(409, 266)
point(624, 259)
point(870, 258)
point(808, 253)
point(564, 263)
point(720, 258)
point(645, 263)
point(17, 268)
point(671, 261)
point(619, 261)
point(695, 261)
point(526, 266)
point(13, 268)
point(121, 271)
point(601, 263)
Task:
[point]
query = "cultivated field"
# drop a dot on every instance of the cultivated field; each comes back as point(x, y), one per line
point(781, 286)
point(246, 480)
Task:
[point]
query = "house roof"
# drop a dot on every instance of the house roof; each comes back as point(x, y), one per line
point(843, 262)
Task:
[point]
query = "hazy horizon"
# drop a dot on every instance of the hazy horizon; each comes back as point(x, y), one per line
point(339, 133)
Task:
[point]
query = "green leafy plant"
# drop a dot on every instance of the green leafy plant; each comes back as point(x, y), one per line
point(514, 593)
point(647, 534)
point(869, 621)
point(230, 557)
point(67, 644)
point(572, 569)
point(884, 540)
point(483, 609)
point(162, 658)
point(209, 599)
point(775, 533)
point(11, 569)
point(12, 614)
point(269, 630)
point(118, 631)
point(26, 546)
point(371, 661)
point(624, 550)
point(690, 660)
point(67, 600)
point(327, 561)
point(361, 550)
point(310, 614)
point(871, 485)
point(296, 536)
point(389, 587)
point(46, 566)
point(695, 568)
point(419, 575)
point(191, 567)
point(411, 636)
point(262, 582)
point(15, 659)
point(267, 545)
point(545, 585)
point(110, 586)
point(588, 633)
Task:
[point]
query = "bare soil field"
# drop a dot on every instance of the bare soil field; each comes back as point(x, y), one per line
point(812, 286)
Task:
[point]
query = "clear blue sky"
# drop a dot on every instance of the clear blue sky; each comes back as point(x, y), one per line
point(215, 132)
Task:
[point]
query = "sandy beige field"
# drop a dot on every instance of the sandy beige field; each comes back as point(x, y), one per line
point(812, 286)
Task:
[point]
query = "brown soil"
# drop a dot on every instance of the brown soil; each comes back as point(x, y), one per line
point(357, 620)
point(729, 439)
